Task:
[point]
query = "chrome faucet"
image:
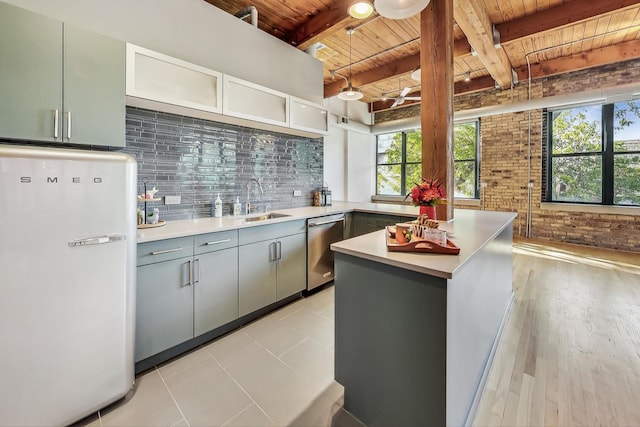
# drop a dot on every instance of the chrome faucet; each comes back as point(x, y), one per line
point(249, 206)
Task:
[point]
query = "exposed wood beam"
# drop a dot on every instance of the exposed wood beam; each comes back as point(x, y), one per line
point(310, 31)
point(549, 19)
point(473, 19)
point(567, 13)
point(436, 116)
point(401, 66)
point(593, 58)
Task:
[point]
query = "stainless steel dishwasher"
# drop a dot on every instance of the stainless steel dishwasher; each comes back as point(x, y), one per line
point(321, 233)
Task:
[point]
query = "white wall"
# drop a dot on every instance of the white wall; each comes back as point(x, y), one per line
point(349, 152)
point(197, 32)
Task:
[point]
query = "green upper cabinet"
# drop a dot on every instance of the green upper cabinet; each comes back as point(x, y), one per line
point(59, 83)
point(30, 74)
point(94, 88)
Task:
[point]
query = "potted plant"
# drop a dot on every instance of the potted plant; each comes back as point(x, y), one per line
point(428, 194)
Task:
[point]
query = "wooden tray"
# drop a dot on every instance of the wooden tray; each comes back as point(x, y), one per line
point(418, 244)
point(159, 224)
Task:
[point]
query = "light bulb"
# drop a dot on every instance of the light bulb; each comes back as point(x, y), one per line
point(360, 9)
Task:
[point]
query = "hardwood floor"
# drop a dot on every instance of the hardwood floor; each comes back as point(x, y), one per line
point(570, 352)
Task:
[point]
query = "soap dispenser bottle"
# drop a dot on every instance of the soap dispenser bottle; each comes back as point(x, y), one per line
point(237, 207)
point(218, 207)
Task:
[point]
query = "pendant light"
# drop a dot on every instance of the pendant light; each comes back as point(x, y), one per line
point(360, 9)
point(400, 9)
point(350, 93)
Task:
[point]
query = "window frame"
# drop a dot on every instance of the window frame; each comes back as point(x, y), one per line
point(607, 154)
point(403, 161)
point(477, 160)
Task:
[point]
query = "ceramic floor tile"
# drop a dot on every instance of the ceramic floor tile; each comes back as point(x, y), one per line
point(275, 387)
point(318, 413)
point(183, 362)
point(250, 417)
point(151, 404)
point(320, 301)
point(312, 361)
point(275, 334)
point(313, 325)
point(329, 312)
point(181, 423)
point(206, 395)
point(226, 349)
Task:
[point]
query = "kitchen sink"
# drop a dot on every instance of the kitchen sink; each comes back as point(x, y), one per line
point(265, 217)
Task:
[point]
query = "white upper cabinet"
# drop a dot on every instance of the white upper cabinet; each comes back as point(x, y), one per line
point(158, 77)
point(304, 115)
point(248, 100)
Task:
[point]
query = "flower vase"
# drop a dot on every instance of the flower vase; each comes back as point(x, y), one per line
point(429, 211)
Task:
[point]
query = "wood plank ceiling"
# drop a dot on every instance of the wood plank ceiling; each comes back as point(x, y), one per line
point(555, 36)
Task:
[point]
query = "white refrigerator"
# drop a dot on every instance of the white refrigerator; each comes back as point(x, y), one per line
point(67, 282)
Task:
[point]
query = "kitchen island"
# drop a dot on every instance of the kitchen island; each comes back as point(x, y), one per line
point(415, 333)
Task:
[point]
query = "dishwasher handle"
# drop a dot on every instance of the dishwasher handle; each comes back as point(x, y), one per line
point(316, 224)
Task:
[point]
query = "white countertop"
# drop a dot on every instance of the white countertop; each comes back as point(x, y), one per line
point(191, 227)
point(470, 230)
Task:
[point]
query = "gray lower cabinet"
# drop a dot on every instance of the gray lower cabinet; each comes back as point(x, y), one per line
point(164, 306)
point(364, 223)
point(272, 264)
point(215, 299)
point(60, 83)
point(181, 297)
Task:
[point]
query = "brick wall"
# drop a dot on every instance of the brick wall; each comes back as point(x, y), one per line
point(505, 157)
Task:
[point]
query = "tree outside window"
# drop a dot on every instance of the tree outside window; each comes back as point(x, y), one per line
point(399, 161)
point(594, 154)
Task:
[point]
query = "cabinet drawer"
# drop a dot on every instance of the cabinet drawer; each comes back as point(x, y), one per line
point(271, 231)
point(210, 242)
point(164, 250)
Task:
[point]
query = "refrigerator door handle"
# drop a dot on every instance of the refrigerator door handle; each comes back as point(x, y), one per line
point(100, 240)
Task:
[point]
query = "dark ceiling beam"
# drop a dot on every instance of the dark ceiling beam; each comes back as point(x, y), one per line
point(594, 58)
point(318, 25)
point(567, 13)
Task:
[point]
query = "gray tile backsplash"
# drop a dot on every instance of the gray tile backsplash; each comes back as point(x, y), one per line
point(197, 159)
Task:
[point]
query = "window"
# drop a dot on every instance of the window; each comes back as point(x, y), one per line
point(593, 154)
point(399, 161)
point(465, 160)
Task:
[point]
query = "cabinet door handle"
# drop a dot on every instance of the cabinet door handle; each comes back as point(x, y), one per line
point(217, 242)
point(56, 123)
point(279, 243)
point(199, 273)
point(166, 251)
point(272, 250)
point(190, 282)
point(69, 125)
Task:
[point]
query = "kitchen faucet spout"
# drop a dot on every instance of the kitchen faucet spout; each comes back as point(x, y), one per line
point(249, 206)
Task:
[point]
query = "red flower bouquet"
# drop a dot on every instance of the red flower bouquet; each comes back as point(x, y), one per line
point(428, 193)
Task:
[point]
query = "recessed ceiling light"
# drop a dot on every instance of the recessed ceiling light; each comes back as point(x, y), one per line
point(360, 9)
point(400, 9)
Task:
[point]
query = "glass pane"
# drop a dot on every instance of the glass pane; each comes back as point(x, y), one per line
point(464, 141)
point(626, 126)
point(390, 148)
point(465, 179)
point(413, 171)
point(414, 146)
point(577, 179)
point(626, 179)
point(389, 179)
point(577, 130)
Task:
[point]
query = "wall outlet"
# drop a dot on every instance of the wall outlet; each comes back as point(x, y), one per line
point(297, 193)
point(172, 200)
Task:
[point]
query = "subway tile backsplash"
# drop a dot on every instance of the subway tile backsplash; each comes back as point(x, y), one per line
point(198, 159)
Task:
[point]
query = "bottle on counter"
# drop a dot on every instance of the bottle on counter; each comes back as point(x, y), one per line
point(327, 197)
point(237, 207)
point(218, 207)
